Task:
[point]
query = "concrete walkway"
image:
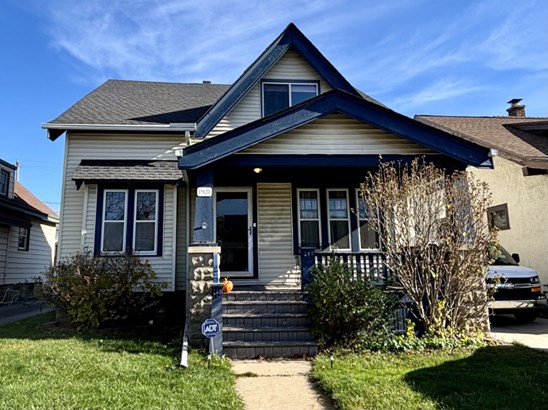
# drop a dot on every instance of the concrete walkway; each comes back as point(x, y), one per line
point(534, 334)
point(278, 385)
point(17, 311)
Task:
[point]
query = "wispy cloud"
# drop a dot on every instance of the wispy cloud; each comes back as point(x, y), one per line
point(401, 50)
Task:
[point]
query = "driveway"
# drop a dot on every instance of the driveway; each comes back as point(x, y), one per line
point(535, 334)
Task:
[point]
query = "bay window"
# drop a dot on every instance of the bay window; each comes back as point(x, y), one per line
point(338, 217)
point(309, 218)
point(369, 239)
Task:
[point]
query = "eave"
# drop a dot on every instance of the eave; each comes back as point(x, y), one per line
point(55, 130)
point(335, 101)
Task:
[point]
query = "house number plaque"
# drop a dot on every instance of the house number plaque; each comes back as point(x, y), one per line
point(204, 191)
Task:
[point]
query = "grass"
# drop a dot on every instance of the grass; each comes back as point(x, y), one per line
point(46, 367)
point(494, 377)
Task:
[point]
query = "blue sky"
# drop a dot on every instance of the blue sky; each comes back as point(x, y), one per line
point(465, 57)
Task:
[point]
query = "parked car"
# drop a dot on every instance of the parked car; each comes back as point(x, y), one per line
point(518, 288)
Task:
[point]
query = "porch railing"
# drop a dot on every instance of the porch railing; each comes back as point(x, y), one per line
point(370, 265)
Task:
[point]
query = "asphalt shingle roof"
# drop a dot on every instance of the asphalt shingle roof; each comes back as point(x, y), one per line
point(127, 170)
point(121, 102)
point(25, 199)
point(502, 133)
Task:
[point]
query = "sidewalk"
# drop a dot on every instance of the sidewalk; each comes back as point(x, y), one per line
point(18, 311)
point(278, 385)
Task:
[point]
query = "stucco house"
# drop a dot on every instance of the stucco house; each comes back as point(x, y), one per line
point(518, 180)
point(250, 177)
point(27, 231)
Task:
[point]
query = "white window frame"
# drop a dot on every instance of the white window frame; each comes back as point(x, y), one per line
point(317, 220)
point(25, 247)
point(104, 221)
point(329, 219)
point(135, 221)
point(289, 84)
point(358, 199)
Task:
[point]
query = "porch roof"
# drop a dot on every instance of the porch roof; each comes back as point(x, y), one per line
point(94, 171)
point(335, 101)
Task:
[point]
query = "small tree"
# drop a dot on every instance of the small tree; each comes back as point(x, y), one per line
point(438, 244)
point(93, 290)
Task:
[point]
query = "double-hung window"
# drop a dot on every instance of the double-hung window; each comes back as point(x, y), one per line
point(309, 218)
point(339, 218)
point(278, 96)
point(4, 182)
point(114, 221)
point(146, 221)
point(130, 220)
point(23, 239)
point(369, 239)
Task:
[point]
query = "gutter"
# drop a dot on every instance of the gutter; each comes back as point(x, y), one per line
point(56, 130)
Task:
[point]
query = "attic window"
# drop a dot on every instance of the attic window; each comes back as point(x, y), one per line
point(4, 181)
point(280, 95)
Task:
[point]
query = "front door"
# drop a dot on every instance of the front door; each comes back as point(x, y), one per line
point(234, 231)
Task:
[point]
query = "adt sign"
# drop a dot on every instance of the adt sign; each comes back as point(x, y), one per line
point(210, 328)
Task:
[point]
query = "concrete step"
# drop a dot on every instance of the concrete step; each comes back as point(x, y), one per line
point(254, 320)
point(267, 334)
point(253, 350)
point(271, 306)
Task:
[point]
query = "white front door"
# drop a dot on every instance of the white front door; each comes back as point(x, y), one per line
point(234, 231)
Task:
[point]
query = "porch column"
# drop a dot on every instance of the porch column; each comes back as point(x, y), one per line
point(204, 294)
point(203, 227)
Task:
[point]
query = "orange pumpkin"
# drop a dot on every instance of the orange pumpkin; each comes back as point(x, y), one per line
point(227, 286)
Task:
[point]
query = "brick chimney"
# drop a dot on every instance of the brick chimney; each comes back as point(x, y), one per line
point(516, 109)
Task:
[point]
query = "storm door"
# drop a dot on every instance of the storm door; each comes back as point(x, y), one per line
point(234, 231)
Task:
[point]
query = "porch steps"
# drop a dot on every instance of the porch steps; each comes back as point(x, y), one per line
point(266, 323)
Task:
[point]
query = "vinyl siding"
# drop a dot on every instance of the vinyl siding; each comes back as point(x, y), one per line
point(275, 236)
point(24, 266)
point(4, 236)
point(77, 232)
point(337, 134)
point(290, 67)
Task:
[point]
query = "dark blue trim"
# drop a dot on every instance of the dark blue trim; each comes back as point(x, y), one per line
point(130, 217)
point(291, 37)
point(222, 146)
point(204, 224)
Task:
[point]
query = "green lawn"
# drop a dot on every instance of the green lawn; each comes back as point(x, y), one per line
point(45, 367)
point(495, 377)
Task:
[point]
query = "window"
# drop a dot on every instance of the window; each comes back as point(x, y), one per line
point(23, 241)
point(309, 218)
point(278, 96)
point(369, 239)
point(130, 219)
point(498, 217)
point(114, 221)
point(4, 182)
point(146, 217)
point(339, 221)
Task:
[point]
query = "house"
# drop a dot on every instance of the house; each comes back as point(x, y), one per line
point(27, 231)
point(518, 180)
point(244, 177)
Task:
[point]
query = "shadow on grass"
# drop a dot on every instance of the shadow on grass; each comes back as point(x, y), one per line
point(128, 339)
point(495, 377)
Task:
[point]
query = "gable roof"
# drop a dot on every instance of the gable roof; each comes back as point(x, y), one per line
point(290, 38)
point(138, 103)
point(25, 199)
point(522, 139)
point(214, 149)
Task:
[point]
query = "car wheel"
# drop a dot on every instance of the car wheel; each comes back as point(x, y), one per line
point(525, 317)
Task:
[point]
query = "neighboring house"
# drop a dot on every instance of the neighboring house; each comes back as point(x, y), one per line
point(265, 168)
point(519, 180)
point(27, 231)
